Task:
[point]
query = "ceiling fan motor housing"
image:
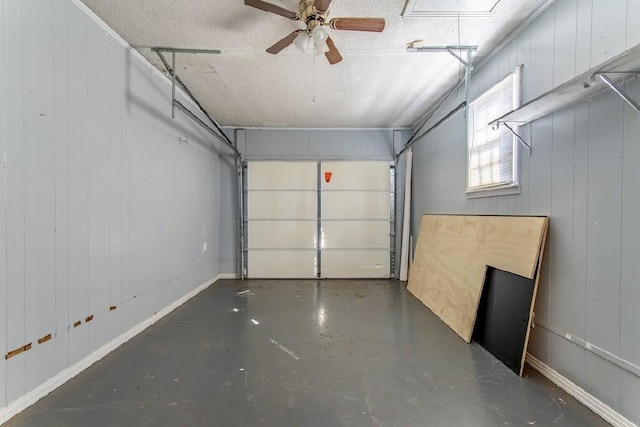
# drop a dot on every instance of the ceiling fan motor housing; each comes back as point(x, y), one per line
point(311, 16)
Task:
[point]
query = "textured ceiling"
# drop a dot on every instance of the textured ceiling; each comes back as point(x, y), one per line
point(378, 84)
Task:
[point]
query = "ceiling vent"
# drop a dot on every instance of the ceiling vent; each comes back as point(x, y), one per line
point(467, 8)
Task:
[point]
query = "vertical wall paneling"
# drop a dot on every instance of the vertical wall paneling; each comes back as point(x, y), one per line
point(211, 253)
point(228, 224)
point(98, 191)
point(504, 62)
point(523, 44)
point(78, 153)
point(541, 67)
point(580, 221)
point(523, 48)
point(562, 353)
point(341, 145)
point(608, 34)
point(116, 104)
point(524, 159)
point(419, 195)
point(603, 248)
point(3, 215)
point(464, 204)
point(131, 219)
point(101, 205)
point(505, 205)
point(127, 147)
point(60, 118)
point(39, 188)
point(633, 29)
point(629, 395)
point(561, 231)
point(540, 169)
point(228, 245)
point(143, 178)
point(583, 36)
point(16, 200)
point(603, 379)
point(604, 221)
point(319, 144)
point(564, 65)
point(630, 291)
point(579, 174)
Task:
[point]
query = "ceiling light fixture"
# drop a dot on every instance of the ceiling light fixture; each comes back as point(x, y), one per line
point(319, 35)
point(303, 41)
point(316, 39)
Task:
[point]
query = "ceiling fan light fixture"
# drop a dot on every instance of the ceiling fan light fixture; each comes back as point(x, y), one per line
point(319, 35)
point(303, 41)
point(322, 49)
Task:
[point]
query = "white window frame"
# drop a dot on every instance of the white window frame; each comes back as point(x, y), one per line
point(503, 188)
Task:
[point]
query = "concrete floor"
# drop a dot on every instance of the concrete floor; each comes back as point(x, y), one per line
point(304, 353)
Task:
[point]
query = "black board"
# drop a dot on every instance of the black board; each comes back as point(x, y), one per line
point(503, 316)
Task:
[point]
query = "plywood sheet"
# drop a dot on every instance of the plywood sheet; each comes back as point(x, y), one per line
point(452, 255)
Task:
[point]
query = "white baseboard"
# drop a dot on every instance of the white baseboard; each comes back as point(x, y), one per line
point(228, 276)
point(19, 405)
point(588, 400)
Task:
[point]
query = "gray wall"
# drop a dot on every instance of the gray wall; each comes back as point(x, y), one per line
point(318, 144)
point(100, 204)
point(303, 144)
point(582, 173)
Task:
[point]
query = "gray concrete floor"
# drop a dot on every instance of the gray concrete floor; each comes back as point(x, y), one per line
point(323, 353)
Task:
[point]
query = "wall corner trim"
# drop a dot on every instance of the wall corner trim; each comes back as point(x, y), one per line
point(22, 403)
point(588, 400)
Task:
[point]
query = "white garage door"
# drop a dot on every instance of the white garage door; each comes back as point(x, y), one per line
point(355, 217)
point(290, 204)
point(282, 213)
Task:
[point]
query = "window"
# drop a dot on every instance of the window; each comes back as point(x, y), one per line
point(492, 153)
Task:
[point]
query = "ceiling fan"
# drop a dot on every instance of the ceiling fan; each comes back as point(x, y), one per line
point(315, 13)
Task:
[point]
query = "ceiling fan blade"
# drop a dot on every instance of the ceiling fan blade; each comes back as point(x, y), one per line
point(332, 55)
point(321, 5)
point(269, 7)
point(358, 24)
point(285, 42)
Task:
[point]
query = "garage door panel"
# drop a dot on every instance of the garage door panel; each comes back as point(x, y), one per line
point(356, 176)
point(268, 175)
point(355, 264)
point(282, 234)
point(282, 205)
point(270, 265)
point(355, 235)
point(356, 205)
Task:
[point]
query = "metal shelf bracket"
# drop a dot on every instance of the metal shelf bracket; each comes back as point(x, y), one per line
point(175, 80)
point(617, 89)
point(455, 52)
point(497, 124)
